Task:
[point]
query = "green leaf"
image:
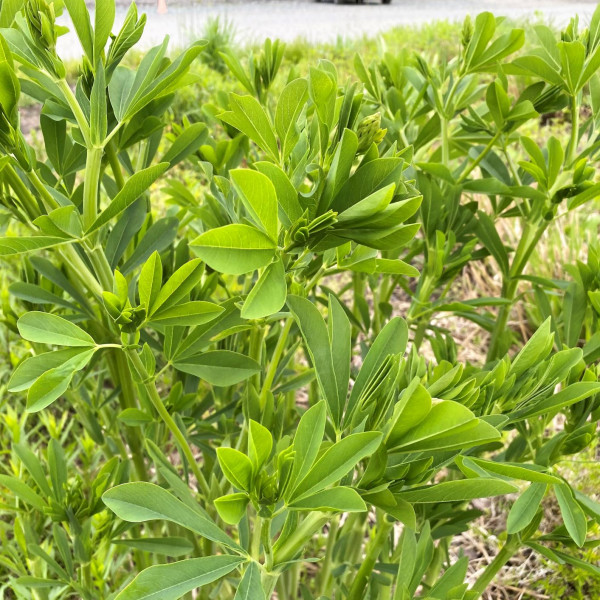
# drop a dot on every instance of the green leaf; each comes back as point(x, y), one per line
point(260, 444)
point(35, 366)
point(525, 507)
point(572, 58)
point(290, 105)
point(219, 367)
point(140, 501)
point(134, 417)
point(150, 281)
point(458, 491)
point(250, 587)
point(373, 204)
point(237, 467)
point(336, 462)
point(8, 11)
point(315, 334)
point(172, 581)
point(366, 180)
point(179, 285)
point(339, 499)
point(188, 142)
point(258, 196)
point(98, 109)
point(10, 246)
point(524, 472)
point(234, 249)
point(574, 309)
point(322, 90)
point(290, 209)
point(134, 187)
point(81, 21)
point(48, 328)
point(567, 396)
point(268, 295)
point(104, 19)
point(165, 546)
point(392, 339)
point(157, 238)
point(340, 335)
point(33, 465)
point(250, 118)
point(307, 440)
point(535, 350)
point(188, 314)
point(22, 491)
point(487, 234)
point(232, 508)
point(572, 514)
point(55, 382)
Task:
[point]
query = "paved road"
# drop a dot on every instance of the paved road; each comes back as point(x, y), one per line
point(290, 19)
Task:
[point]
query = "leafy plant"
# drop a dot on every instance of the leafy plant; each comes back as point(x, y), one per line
point(226, 380)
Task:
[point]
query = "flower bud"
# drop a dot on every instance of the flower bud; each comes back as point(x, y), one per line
point(369, 132)
point(467, 32)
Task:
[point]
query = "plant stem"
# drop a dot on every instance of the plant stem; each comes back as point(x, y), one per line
point(148, 383)
point(90, 186)
point(77, 111)
point(529, 239)
point(277, 354)
point(47, 198)
point(373, 551)
point(256, 538)
point(26, 197)
point(445, 140)
point(505, 554)
point(481, 156)
point(115, 165)
point(302, 534)
point(133, 434)
point(327, 565)
point(269, 581)
point(574, 131)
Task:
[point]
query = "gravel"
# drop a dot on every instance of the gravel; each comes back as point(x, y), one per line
point(321, 22)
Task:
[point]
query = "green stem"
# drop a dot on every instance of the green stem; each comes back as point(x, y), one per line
point(265, 535)
point(327, 565)
point(90, 186)
point(269, 581)
point(481, 156)
point(22, 191)
point(256, 538)
point(529, 239)
point(80, 269)
point(506, 553)
point(255, 352)
point(445, 140)
point(373, 551)
point(127, 396)
point(80, 117)
point(574, 139)
point(148, 383)
point(47, 198)
point(277, 354)
point(301, 535)
point(115, 165)
point(101, 267)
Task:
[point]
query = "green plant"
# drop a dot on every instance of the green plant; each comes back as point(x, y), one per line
point(220, 36)
point(206, 378)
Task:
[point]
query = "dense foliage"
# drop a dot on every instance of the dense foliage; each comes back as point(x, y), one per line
point(229, 338)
